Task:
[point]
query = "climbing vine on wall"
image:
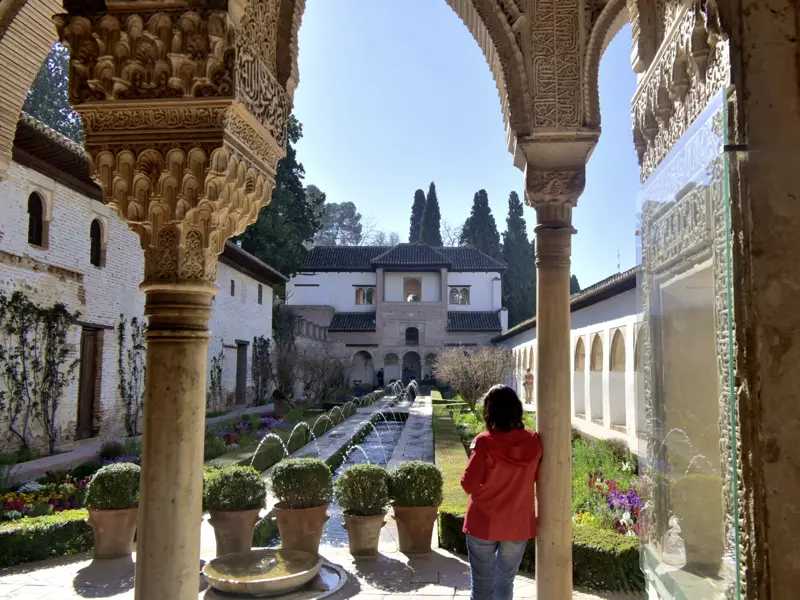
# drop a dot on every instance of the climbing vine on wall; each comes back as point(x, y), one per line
point(215, 401)
point(261, 369)
point(132, 370)
point(35, 365)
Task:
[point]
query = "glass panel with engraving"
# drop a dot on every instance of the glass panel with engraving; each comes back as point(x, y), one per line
point(688, 455)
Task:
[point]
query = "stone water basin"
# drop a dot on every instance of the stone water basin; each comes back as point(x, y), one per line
point(262, 572)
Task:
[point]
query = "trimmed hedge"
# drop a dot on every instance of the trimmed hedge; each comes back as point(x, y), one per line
point(39, 538)
point(601, 560)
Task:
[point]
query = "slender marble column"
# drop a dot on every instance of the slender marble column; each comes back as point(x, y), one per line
point(554, 541)
point(170, 506)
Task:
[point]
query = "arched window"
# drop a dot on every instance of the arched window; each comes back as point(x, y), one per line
point(455, 297)
point(36, 228)
point(464, 293)
point(96, 249)
point(412, 289)
point(370, 296)
point(596, 361)
point(580, 356)
point(359, 295)
point(412, 336)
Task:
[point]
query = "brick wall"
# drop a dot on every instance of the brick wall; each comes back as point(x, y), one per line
point(63, 272)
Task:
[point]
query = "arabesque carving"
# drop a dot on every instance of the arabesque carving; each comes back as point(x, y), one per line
point(166, 54)
point(691, 69)
point(183, 132)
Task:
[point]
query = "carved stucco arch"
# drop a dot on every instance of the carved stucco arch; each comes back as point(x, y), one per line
point(609, 23)
point(499, 27)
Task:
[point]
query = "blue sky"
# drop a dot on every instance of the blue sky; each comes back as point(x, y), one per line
point(395, 94)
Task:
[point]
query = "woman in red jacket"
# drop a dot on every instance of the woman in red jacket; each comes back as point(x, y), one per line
point(500, 477)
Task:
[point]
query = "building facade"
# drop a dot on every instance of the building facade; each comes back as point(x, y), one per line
point(59, 242)
point(606, 353)
point(393, 308)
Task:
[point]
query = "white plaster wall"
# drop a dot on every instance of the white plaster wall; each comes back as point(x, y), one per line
point(63, 272)
point(237, 317)
point(431, 286)
point(481, 290)
point(592, 391)
point(329, 289)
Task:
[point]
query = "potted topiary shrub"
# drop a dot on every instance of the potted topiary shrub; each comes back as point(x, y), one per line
point(234, 496)
point(363, 493)
point(112, 498)
point(416, 491)
point(303, 488)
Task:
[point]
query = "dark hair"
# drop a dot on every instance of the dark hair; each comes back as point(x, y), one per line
point(502, 409)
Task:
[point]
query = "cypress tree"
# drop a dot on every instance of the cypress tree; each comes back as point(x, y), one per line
point(429, 228)
point(574, 286)
point(519, 281)
point(416, 216)
point(480, 228)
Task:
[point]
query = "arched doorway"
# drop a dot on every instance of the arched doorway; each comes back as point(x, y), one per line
point(430, 366)
point(412, 336)
point(412, 367)
point(579, 380)
point(616, 381)
point(392, 369)
point(362, 371)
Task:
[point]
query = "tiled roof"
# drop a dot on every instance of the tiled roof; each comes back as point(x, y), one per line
point(341, 258)
point(458, 320)
point(368, 258)
point(353, 321)
point(602, 290)
point(469, 258)
point(411, 255)
point(241, 260)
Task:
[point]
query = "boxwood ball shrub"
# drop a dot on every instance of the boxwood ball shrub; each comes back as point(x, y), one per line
point(302, 483)
point(416, 483)
point(363, 490)
point(114, 487)
point(234, 488)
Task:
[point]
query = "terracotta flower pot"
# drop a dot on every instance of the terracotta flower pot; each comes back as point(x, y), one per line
point(233, 530)
point(301, 528)
point(113, 531)
point(415, 527)
point(364, 533)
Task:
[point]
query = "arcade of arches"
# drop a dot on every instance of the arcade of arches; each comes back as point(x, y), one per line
point(216, 78)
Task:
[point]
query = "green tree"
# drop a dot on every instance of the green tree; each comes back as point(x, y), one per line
point(430, 232)
point(519, 281)
point(289, 222)
point(574, 286)
point(341, 225)
point(416, 216)
point(480, 228)
point(47, 99)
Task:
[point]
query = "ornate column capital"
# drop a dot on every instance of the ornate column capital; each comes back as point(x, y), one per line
point(184, 120)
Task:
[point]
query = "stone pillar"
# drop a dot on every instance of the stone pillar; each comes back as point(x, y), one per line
point(445, 297)
point(554, 540)
point(185, 148)
point(553, 193)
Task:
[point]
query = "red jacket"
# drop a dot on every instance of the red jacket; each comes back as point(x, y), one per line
point(500, 481)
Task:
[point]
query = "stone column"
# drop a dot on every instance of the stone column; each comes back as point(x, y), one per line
point(185, 150)
point(445, 297)
point(554, 539)
point(553, 193)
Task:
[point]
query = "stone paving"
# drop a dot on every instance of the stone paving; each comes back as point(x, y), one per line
point(416, 441)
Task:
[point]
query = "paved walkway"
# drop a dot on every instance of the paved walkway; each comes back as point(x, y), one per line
point(416, 441)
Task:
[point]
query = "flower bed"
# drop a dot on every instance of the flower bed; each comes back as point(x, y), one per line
point(35, 499)
point(602, 559)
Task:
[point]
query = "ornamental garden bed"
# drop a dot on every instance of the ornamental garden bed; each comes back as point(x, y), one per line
point(605, 547)
point(44, 518)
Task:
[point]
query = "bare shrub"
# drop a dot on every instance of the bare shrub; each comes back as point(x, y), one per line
point(472, 372)
point(320, 370)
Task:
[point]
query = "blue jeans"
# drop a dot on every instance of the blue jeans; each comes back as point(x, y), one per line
point(493, 566)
